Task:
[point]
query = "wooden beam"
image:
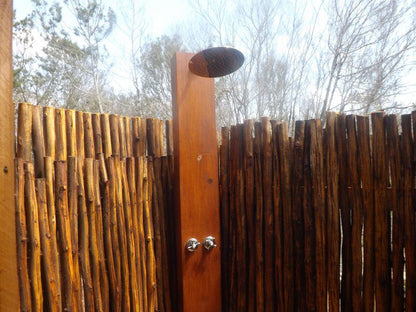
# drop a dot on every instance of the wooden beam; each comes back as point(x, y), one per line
point(9, 293)
point(196, 182)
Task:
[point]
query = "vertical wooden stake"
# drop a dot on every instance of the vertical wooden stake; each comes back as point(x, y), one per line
point(196, 182)
point(9, 292)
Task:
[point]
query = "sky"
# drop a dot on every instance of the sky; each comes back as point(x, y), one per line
point(162, 17)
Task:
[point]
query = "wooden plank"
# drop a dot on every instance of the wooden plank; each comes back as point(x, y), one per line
point(169, 275)
point(71, 132)
point(50, 197)
point(139, 136)
point(354, 199)
point(409, 213)
point(332, 221)
point(365, 170)
point(241, 223)
point(196, 176)
point(79, 117)
point(309, 238)
point(73, 219)
point(122, 236)
point(64, 233)
point(48, 269)
point(151, 136)
point(232, 226)
point(104, 287)
point(115, 137)
point(106, 135)
point(24, 132)
point(22, 237)
point(224, 203)
point(92, 226)
point(141, 192)
point(169, 137)
point(258, 189)
point(346, 283)
point(38, 140)
point(96, 128)
point(131, 178)
point(319, 213)
point(298, 227)
point(382, 215)
point(84, 237)
point(32, 217)
point(269, 242)
point(88, 136)
point(285, 157)
point(107, 241)
point(394, 158)
point(60, 128)
point(123, 140)
point(127, 127)
point(248, 166)
point(49, 131)
point(112, 185)
point(149, 238)
point(127, 207)
point(9, 290)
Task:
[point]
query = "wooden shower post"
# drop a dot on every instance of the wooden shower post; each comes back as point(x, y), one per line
point(196, 183)
point(9, 291)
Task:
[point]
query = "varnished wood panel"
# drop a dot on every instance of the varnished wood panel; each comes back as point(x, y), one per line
point(197, 195)
point(9, 292)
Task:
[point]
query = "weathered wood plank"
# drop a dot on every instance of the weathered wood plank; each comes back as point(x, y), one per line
point(354, 199)
point(24, 132)
point(332, 221)
point(298, 226)
point(365, 171)
point(32, 217)
point(409, 212)
point(382, 215)
point(308, 217)
point(394, 158)
point(38, 140)
point(22, 237)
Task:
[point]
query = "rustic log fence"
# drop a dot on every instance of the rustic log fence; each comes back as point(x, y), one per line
point(321, 221)
point(93, 200)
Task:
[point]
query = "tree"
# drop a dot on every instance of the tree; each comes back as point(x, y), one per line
point(63, 65)
point(304, 58)
point(369, 44)
point(155, 78)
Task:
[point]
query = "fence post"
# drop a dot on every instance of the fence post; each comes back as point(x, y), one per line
point(196, 183)
point(9, 292)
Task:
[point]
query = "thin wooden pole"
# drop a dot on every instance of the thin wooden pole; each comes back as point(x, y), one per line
point(197, 196)
point(9, 291)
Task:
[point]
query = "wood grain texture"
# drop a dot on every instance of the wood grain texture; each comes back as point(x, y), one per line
point(9, 290)
point(409, 212)
point(382, 215)
point(395, 164)
point(298, 227)
point(355, 203)
point(196, 176)
point(365, 171)
point(22, 237)
point(38, 140)
point(332, 221)
point(32, 217)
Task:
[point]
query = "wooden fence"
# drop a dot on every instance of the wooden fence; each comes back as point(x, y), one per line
point(93, 204)
point(321, 221)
